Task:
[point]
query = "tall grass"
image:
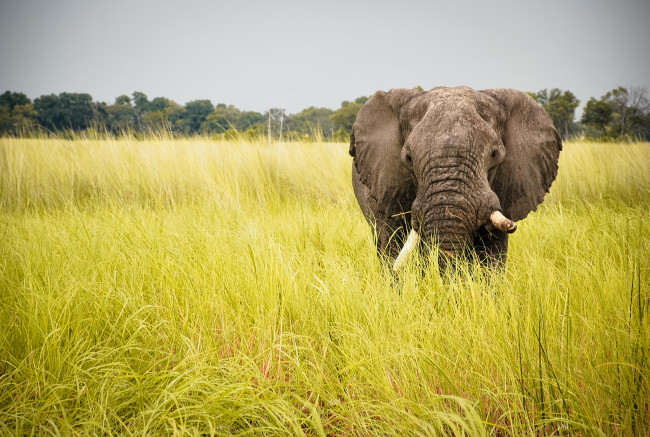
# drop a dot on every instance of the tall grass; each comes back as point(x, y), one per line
point(199, 287)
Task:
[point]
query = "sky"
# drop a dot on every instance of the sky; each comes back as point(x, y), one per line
point(295, 54)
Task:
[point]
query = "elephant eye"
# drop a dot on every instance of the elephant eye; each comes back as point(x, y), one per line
point(494, 153)
point(407, 159)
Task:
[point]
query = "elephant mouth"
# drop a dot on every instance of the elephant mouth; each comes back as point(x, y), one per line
point(497, 221)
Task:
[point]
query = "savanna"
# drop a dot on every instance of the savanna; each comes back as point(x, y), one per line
point(192, 286)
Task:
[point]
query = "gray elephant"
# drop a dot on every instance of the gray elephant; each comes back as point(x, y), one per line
point(451, 165)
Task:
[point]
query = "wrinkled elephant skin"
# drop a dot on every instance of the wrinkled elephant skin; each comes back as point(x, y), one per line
point(451, 166)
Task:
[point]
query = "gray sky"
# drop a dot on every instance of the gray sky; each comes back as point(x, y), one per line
point(296, 54)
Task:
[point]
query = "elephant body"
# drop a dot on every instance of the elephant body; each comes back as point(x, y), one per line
point(453, 165)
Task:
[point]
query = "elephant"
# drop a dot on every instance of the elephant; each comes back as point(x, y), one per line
point(455, 167)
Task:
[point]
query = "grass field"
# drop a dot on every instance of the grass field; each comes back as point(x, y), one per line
point(197, 287)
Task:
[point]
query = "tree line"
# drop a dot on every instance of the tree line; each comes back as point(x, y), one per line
point(620, 113)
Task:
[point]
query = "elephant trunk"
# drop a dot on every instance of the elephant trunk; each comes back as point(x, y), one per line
point(451, 211)
point(440, 213)
point(449, 223)
point(497, 219)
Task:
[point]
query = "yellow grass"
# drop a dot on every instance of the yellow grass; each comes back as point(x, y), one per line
point(197, 287)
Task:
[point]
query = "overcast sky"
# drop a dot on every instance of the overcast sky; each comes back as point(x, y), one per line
point(296, 54)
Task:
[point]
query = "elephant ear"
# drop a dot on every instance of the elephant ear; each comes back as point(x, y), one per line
point(376, 144)
point(532, 146)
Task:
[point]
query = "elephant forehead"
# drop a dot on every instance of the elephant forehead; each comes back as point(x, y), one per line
point(455, 123)
point(456, 103)
point(448, 109)
point(436, 100)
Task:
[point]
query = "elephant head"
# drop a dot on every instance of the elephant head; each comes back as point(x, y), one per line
point(452, 165)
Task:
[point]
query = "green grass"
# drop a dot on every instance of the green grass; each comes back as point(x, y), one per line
point(199, 287)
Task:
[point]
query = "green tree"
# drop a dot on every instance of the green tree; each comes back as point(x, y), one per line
point(99, 119)
point(158, 115)
point(120, 116)
point(248, 119)
point(597, 114)
point(17, 113)
point(343, 118)
point(561, 106)
point(140, 101)
point(222, 119)
point(162, 104)
point(311, 121)
point(24, 117)
point(10, 99)
point(156, 122)
point(189, 121)
point(140, 107)
point(629, 108)
point(165, 119)
point(639, 114)
point(19, 119)
point(123, 100)
point(49, 112)
point(618, 99)
point(65, 111)
point(621, 112)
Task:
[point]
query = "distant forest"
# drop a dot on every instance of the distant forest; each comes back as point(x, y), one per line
point(622, 113)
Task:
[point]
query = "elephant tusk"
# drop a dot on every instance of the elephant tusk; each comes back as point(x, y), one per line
point(502, 223)
point(411, 242)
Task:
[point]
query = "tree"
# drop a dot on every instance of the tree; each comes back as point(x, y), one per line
point(65, 111)
point(140, 101)
point(229, 117)
point(123, 100)
point(222, 118)
point(140, 106)
point(628, 110)
point(19, 119)
point(77, 109)
point(165, 119)
point(639, 118)
point(248, 119)
point(158, 115)
point(343, 118)
point(561, 106)
point(195, 113)
point(156, 122)
point(311, 121)
point(48, 110)
point(10, 100)
point(597, 114)
point(161, 104)
point(120, 117)
point(17, 113)
point(619, 113)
